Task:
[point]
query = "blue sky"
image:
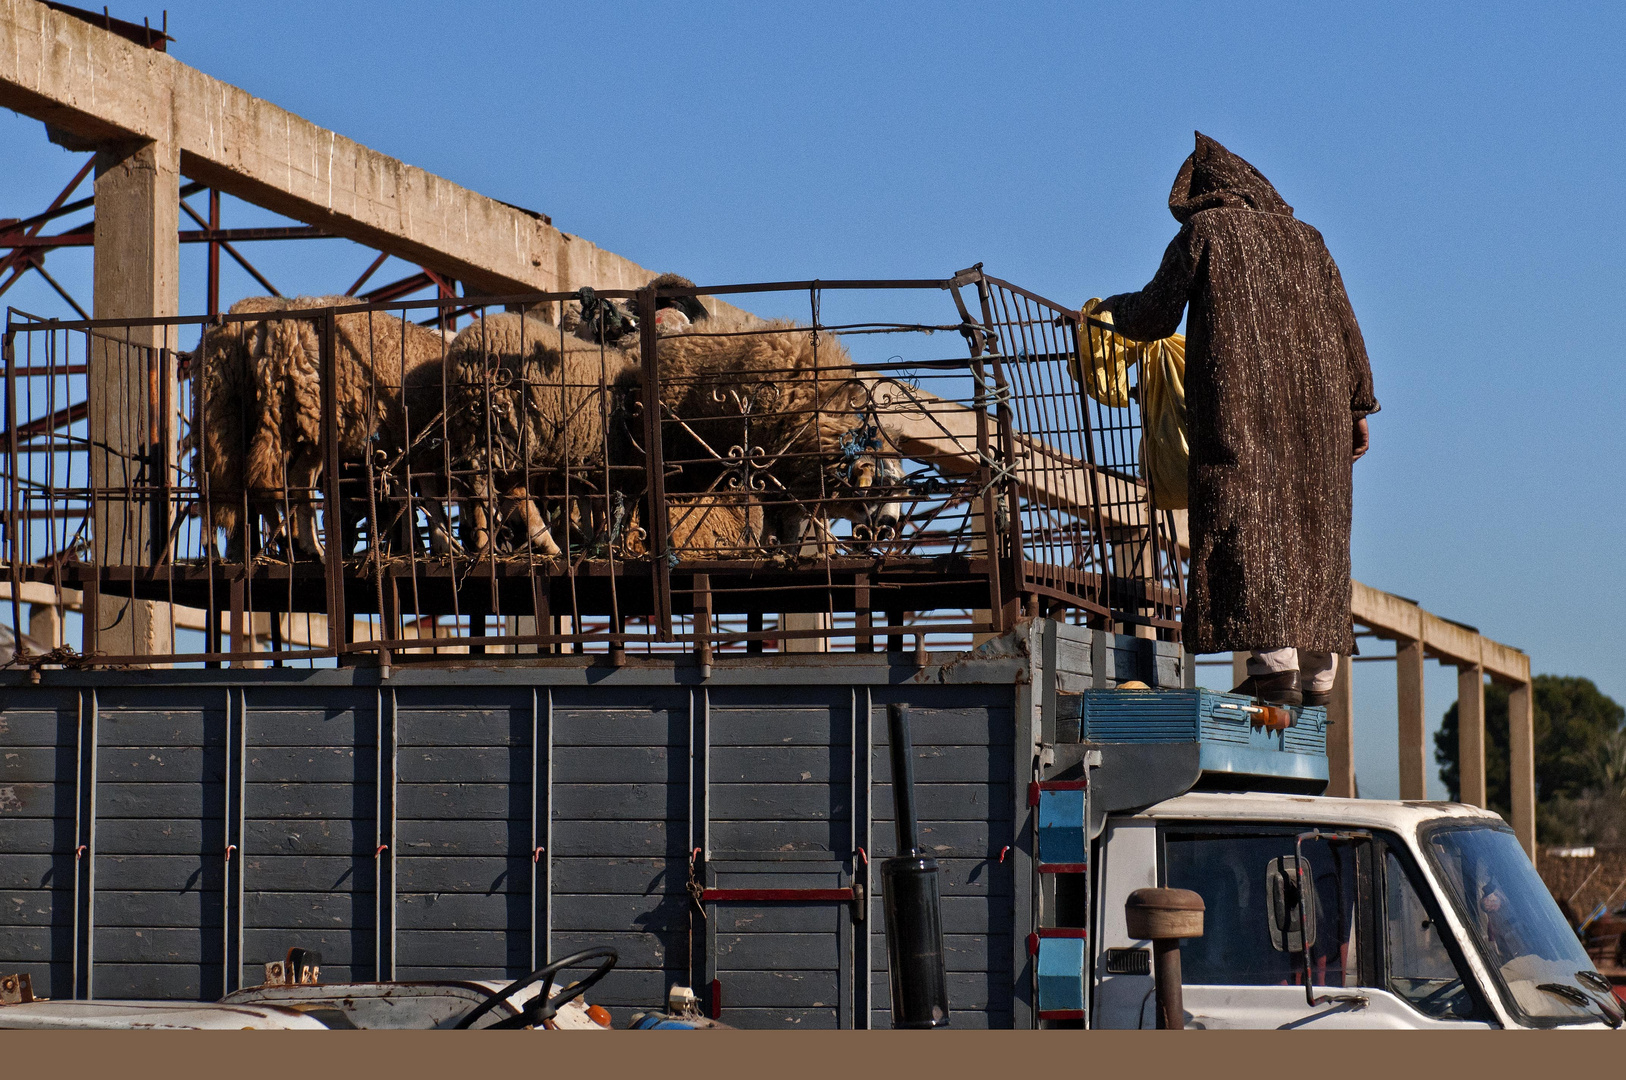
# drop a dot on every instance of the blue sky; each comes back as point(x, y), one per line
point(1464, 162)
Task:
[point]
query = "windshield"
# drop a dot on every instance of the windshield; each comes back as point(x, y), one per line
point(1543, 969)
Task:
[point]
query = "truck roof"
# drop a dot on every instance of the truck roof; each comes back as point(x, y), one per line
point(1402, 817)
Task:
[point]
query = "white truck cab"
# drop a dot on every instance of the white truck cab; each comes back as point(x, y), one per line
point(1422, 915)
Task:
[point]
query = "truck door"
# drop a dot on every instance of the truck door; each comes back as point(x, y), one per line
point(1371, 930)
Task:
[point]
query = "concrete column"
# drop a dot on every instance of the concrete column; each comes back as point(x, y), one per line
point(1471, 733)
point(1521, 729)
point(805, 620)
point(45, 624)
point(1409, 690)
point(136, 271)
point(1341, 733)
point(979, 545)
point(1239, 668)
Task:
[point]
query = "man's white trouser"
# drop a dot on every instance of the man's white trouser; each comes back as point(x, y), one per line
point(1316, 669)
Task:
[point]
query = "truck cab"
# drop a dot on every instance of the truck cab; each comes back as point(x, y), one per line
point(1421, 915)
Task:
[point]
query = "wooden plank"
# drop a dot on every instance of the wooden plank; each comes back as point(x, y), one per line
point(947, 802)
point(635, 839)
point(174, 982)
point(302, 802)
point(464, 764)
point(619, 913)
point(634, 877)
point(466, 801)
point(270, 909)
point(756, 1019)
point(20, 872)
point(36, 726)
point(36, 836)
point(779, 989)
point(775, 952)
point(159, 873)
point(761, 803)
point(36, 765)
point(36, 907)
point(140, 728)
point(140, 910)
point(451, 838)
point(620, 802)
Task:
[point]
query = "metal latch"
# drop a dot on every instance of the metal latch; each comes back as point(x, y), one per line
point(16, 989)
point(302, 968)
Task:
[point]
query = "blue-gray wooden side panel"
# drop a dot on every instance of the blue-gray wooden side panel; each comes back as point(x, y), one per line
point(620, 827)
point(963, 743)
point(160, 759)
point(464, 895)
point(38, 790)
point(309, 768)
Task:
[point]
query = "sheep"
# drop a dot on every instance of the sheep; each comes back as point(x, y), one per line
point(516, 402)
point(261, 405)
point(770, 406)
point(709, 526)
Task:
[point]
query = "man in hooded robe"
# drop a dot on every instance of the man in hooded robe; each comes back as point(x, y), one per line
point(1278, 389)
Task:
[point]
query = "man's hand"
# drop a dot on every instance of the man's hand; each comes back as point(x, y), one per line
point(1363, 439)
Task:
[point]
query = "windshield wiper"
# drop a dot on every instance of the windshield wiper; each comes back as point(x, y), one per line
point(1578, 997)
point(1606, 994)
point(1596, 981)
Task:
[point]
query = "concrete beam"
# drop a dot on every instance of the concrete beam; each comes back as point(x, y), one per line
point(100, 88)
point(1392, 617)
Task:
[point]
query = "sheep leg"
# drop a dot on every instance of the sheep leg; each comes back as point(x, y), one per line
point(516, 500)
point(479, 516)
point(432, 503)
point(303, 472)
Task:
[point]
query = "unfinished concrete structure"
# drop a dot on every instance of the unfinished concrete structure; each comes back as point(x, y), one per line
point(152, 120)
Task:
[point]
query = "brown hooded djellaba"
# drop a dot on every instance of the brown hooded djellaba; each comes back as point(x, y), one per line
point(1276, 377)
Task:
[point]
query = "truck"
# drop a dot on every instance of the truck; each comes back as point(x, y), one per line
point(168, 832)
point(646, 705)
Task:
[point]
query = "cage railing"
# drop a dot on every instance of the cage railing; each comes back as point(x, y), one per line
point(625, 471)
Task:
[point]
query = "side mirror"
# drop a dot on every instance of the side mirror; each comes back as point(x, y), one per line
point(1291, 907)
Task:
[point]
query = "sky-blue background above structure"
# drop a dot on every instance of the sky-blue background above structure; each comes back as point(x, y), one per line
point(1464, 163)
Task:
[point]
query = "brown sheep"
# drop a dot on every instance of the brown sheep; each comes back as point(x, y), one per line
point(262, 405)
point(794, 399)
point(711, 526)
point(515, 404)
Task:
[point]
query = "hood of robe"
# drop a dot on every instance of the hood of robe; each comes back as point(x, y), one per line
point(1213, 176)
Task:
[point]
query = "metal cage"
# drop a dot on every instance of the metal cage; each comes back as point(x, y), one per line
point(624, 471)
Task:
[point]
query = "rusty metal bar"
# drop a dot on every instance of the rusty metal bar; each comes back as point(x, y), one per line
point(337, 621)
point(654, 468)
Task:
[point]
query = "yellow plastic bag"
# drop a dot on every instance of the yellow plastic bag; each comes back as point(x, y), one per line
point(1102, 366)
point(1109, 358)
point(1164, 452)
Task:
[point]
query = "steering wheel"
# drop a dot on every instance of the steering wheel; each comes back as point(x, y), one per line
point(542, 1007)
point(1442, 993)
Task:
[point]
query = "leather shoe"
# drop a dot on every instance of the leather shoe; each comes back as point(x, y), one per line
point(1274, 688)
point(1319, 699)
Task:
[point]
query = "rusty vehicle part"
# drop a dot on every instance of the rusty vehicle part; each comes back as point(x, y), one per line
point(16, 989)
point(301, 968)
point(1163, 917)
point(546, 1002)
point(842, 482)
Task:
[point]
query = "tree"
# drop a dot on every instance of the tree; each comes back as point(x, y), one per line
point(1580, 752)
